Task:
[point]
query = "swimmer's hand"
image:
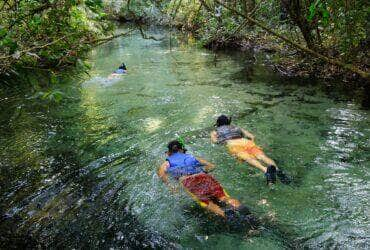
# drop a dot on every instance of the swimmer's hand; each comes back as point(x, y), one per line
point(173, 188)
point(207, 165)
point(247, 134)
point(210, 167)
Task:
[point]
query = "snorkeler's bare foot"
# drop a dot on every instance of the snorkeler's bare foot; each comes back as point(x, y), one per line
point(215, 209)
point(233, 202)
point(112, 76)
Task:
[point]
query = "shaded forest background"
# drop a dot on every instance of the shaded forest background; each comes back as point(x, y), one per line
point(305, 37)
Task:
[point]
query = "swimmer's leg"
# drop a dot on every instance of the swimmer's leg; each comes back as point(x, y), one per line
point(265, 159)
point(270, 171)
point(238, 213)
point(215, 209)
point(233, 202)
point(251, 161)
point(279, 172)
point(255, 163)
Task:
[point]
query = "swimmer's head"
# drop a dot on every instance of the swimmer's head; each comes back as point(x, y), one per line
point(223, 120)
point(123, 66)
point(175, 146)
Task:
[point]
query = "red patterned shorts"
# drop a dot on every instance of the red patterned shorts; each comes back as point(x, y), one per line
point(203, 187)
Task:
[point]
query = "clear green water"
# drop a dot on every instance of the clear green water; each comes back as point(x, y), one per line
point(82, 174)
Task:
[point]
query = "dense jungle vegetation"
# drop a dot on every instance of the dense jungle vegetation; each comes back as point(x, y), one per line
point(47, 34)
point(307, 36)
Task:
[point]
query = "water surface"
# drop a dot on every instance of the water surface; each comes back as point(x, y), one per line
point(82, 173)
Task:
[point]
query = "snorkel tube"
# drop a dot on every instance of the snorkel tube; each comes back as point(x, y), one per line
point(181, 140)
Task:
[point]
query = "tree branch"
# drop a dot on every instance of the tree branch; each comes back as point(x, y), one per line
point(106, 39)
point(299, 46)
point(33, 48)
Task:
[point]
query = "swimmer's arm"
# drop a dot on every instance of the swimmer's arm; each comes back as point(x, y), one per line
point(162, 172)
point(164, 176)
point(214, 136)
point(207, 165)
point(247, 134)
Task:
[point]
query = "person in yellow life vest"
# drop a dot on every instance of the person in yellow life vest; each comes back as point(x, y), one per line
point(240, 143)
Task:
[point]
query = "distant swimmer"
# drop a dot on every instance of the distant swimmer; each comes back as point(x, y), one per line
point(236, 141)
point(192, 174)
point(120, 71)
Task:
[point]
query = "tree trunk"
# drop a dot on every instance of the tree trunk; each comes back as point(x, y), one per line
point(297, 13)
point(349, 67)
point(248, 8)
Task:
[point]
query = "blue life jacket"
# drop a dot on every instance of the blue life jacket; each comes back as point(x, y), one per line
point(120, 71)
point(183, 164)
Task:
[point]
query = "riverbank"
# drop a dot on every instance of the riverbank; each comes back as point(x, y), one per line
point(287, 61)
point(327, 50)
point(291, 63)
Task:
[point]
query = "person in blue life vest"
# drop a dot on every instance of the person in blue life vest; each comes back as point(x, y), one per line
point(122, 69)
point(240, 143)
point(191, 173)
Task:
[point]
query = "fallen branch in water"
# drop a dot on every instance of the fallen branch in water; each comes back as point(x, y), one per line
point(297, 45)
point(106, 39)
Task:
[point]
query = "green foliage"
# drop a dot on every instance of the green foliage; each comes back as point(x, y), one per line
point(49, 96)
point(54, 33)
point(135, 9)
point(339, 26)
point(50, 33)
point(318, 9)
point(53, 96)
point(95, 5)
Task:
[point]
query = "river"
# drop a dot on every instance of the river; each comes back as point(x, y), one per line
point(82, 173)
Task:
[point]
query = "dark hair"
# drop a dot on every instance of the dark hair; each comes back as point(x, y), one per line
point(123, 66)
point(174, 146)
point(223, 120)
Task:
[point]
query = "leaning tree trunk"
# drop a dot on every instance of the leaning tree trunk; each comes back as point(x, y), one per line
point(312, 52)
point(297, 12)
point(248, 8)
